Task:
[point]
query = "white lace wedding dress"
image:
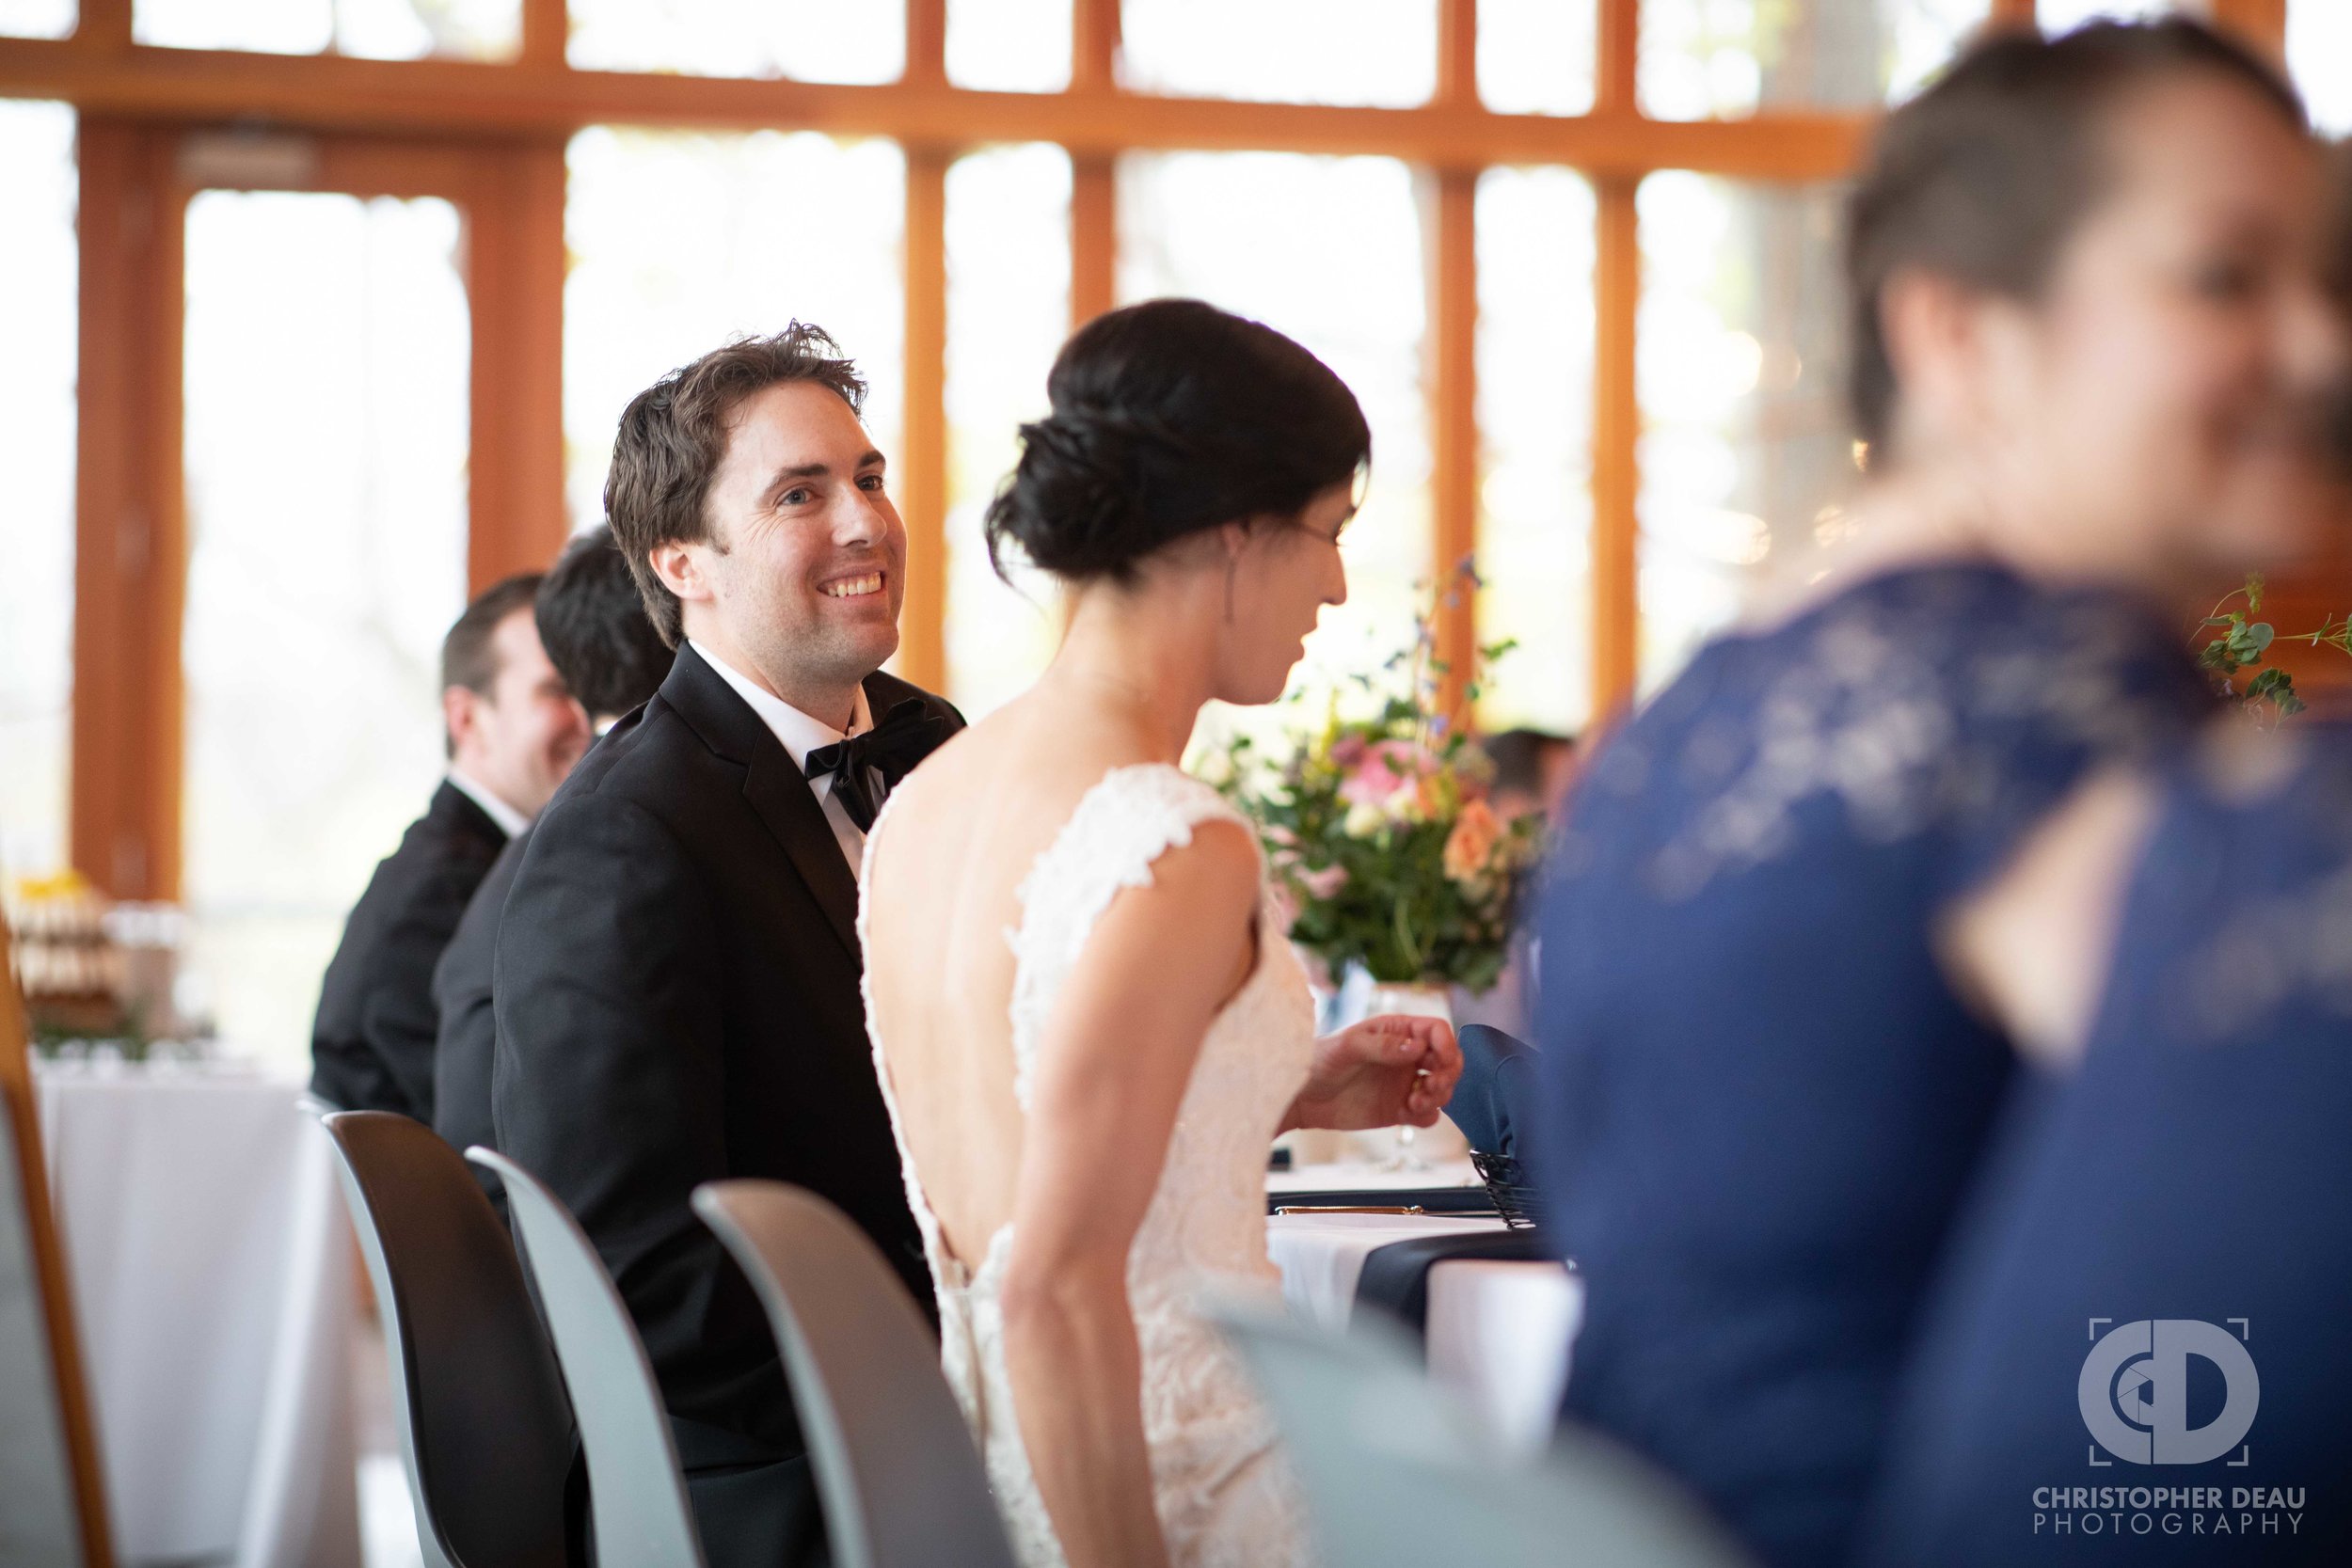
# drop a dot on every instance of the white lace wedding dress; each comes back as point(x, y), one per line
point(1223, 1494)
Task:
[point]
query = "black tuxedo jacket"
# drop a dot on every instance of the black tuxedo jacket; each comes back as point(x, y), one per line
point(677, 1002)
point(371, 1047)
point(461, 1001)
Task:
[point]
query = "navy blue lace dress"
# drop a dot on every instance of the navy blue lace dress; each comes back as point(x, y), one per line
point(1762, 1098)
point(2147, 1320)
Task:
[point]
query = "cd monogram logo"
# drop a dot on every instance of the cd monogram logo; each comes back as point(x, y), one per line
point(2134, 1391)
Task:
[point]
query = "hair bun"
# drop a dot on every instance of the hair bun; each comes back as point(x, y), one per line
point(1168, 418)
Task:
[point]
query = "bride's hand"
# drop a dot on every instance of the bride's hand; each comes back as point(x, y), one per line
point(1382, 1073)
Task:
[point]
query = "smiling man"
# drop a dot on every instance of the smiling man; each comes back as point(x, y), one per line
point(676, 983)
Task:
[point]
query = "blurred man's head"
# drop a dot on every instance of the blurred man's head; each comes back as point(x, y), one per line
point(750, 502)
point(1531, 769)
point(593, 626)
point(513, 727)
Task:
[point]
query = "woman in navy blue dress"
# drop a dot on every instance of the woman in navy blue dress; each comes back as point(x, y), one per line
point(2145, 1323)
point(2093, 349)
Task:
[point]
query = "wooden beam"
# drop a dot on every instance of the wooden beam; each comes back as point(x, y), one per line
point(2010, 13)
point(927, 42)
point(1093, 237)
point(462, 99)
point(102, 24)
point(547, 33)
point(515, 292)
point(1094, 45)
point(2260, 22)
point(52, 1281)
point(923, 461)
point(1458, 51)
point(1616, 436)
point(130, 543)
point(1616, 57)
point(1454, 429)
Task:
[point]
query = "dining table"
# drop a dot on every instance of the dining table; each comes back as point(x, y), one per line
point(1496, 1331)
point(210, 1264)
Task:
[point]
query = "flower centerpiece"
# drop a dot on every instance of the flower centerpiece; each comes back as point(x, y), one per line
point(1379, 832)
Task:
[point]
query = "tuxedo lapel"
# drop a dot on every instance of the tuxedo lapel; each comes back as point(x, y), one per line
point(775, 790)
point(781, 795)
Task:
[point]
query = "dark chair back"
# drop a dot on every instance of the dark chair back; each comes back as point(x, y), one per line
point(636, 1491)
point(902, 1485)
point(484, 1429)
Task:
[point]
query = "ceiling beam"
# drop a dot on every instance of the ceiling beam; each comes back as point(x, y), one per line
point(448, 98)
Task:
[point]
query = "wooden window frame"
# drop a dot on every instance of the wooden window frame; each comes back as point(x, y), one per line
point(492, 137)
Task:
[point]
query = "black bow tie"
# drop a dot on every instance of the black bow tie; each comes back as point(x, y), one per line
point(909, 732)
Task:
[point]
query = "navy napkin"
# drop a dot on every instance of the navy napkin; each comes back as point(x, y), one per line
point(1491, 1102)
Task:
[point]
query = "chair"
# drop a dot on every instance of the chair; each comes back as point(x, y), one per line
point(1398, 1476)
point(484, 1429)
point(902, 1482)
point(636, 1493)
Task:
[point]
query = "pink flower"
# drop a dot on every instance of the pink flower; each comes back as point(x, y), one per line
point(1387, 767)
point(1470, 847)
point(1324, 883)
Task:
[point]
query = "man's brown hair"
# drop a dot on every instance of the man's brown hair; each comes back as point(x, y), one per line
point(469, 656)
point(674, 435)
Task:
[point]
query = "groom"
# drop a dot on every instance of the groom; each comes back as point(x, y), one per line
point(677, 996)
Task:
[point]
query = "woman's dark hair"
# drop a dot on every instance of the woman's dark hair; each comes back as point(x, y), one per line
point(1168, 418)
point(1983, 177)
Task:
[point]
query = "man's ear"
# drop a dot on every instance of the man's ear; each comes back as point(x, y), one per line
point(674, 562)
point(458, 708)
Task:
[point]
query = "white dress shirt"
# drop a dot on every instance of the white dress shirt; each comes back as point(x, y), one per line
point(801, 735)
point(511, 822)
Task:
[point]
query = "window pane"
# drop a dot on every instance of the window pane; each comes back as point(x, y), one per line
point(326, 379)
point(38, 288)
point(1007, 312)
point(1705, 59)
point(36, 19)
point(1746, 453)
point(1535, 56)
point(810, 41)
point(1330, 251)
point(2063, 16)
point(1377, 52)
point(2319, 53)
point(377, 29)
point(680, 242)
point(1009, 45)
point(1536, 428)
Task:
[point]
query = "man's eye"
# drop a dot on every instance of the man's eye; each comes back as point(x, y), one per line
point(870, 484)
point(796, 496)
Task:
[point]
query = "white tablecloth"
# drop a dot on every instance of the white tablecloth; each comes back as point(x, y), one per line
point(212, 1266)
point(1497, 1333)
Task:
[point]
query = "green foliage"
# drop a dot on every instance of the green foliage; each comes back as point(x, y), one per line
point(2241, 643)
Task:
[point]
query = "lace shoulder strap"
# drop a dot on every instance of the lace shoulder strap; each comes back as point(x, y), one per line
point(1125, 822)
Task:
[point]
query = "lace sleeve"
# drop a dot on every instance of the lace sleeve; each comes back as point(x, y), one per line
point(1123, 824)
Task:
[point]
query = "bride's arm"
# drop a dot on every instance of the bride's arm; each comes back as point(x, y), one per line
point(1111, 1075)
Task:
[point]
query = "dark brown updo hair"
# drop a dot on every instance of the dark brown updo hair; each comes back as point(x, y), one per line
point(1170, 417)
point(1983, 177)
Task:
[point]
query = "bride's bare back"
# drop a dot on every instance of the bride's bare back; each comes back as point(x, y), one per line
point(942, 891)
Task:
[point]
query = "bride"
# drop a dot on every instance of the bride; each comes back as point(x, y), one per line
point(1085, 1018)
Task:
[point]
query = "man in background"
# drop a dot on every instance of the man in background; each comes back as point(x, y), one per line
point(512, 733)
point(597, 634)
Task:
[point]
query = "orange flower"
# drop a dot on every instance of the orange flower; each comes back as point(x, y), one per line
point(1470, 847)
